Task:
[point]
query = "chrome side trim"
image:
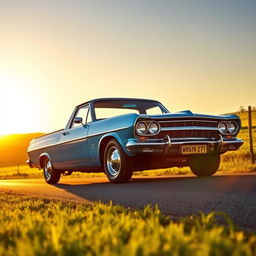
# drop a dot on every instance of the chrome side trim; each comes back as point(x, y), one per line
point(48, 134)
point(189, 128)
point(77, 139)
point(114, 130)
point(40, 142)
point(73, 141)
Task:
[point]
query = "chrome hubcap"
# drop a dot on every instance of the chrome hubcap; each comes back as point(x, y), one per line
point(48, 170)
point(113, 161)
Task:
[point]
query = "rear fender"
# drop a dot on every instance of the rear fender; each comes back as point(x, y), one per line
point(42, 157)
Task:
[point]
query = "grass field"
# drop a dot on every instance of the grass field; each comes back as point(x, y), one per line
point(30, 226)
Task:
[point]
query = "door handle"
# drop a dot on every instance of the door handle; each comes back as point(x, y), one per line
point(65, 133)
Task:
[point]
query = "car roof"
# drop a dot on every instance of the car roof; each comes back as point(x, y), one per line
point(116, 99)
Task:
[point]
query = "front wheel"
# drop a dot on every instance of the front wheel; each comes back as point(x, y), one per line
point(205, 165)
point(51, 175)
point(116, 164)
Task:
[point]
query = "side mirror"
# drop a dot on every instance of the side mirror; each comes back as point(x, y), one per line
point(78, 120)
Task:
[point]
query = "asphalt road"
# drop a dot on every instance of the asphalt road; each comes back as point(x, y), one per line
point(176, 196)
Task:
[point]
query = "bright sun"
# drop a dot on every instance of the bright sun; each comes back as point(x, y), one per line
point(15, 106)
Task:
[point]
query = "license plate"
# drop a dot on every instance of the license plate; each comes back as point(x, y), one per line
point(193, 149)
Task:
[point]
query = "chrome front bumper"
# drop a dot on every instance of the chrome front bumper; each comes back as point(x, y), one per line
point(169, 146)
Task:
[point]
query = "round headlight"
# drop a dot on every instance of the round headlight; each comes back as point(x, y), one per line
point(232, 127)
point(222, 127)
point(141, 128)
point(153, 127)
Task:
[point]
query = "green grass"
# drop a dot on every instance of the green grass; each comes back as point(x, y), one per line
point(30, 226)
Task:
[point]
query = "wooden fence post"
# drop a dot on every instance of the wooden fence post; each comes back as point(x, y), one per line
point(250, 133)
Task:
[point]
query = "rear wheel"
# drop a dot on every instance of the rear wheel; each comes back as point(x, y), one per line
point(116, 164)
point(205, 165)
point(51, 175)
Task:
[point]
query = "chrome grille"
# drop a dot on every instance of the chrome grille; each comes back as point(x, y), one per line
point(188, 129)
point(185, 123)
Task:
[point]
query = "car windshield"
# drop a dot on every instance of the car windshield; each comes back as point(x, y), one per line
point(109, 108)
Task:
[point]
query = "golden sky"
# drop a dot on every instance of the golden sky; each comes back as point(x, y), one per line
point(54, 55)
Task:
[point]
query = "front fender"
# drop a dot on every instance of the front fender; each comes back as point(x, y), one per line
point(118, 139)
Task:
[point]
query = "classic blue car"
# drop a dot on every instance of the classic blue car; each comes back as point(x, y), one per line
point(122, 135)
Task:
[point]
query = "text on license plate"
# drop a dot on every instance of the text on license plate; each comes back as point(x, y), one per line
point(193, 149)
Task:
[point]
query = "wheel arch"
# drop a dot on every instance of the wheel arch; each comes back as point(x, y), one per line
point(42, 157)
point(104, 141)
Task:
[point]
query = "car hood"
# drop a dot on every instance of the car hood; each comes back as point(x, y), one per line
point(188, 114)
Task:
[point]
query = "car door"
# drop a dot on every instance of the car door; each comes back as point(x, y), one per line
point(74, 142)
